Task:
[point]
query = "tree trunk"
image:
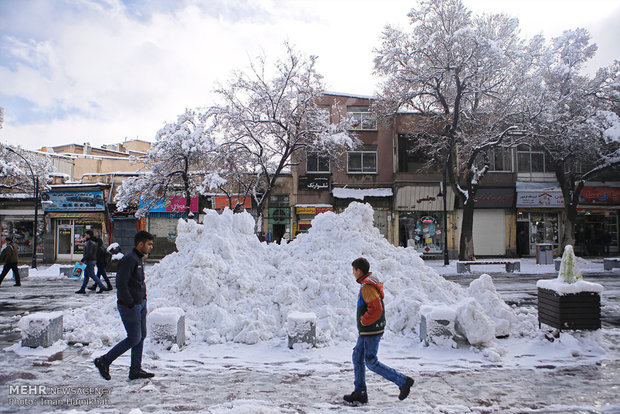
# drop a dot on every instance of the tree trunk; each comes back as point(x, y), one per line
point(466, 246)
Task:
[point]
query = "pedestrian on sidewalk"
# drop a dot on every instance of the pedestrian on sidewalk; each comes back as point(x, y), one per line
point(10, 256)
point(90, 258)
point(371, 324)
point(131, 304)
point(103, 259)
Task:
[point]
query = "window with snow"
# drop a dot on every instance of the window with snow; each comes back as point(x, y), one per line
point(316, 163)
point(530, 161)
point(499, 159)
point(362, 162)
point(361, 118)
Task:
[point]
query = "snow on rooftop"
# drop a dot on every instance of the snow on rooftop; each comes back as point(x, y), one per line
point(361, 193)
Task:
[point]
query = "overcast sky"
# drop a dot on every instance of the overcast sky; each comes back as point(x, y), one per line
point(100, 71)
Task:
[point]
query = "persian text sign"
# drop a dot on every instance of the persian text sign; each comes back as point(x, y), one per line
point(73, 201)
point(222, 202)
point(540, 199)
point(599, 195)
point(175, 205)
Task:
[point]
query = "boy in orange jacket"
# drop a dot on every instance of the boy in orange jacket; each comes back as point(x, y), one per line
point(370, 324)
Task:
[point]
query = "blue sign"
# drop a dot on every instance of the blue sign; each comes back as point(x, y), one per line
point(73, 201)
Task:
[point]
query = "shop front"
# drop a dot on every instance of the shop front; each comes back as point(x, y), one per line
point(379, 198)
point(279, 219)
point(420, 217)
point(597, 221)
point(69, 212)
point(539, 213)
point(304, 215)
point(17, 221)
point(162, 221)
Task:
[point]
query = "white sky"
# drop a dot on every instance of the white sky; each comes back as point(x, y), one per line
point(100, 71)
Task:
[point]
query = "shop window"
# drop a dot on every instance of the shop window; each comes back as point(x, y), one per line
point(423, 231)
point(500, 159)
point(316, 163)
point(361, 118)
point(363, 162)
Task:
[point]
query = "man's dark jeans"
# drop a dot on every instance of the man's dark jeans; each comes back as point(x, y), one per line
point(134, 320)
point(14, 268)
point(89, 272)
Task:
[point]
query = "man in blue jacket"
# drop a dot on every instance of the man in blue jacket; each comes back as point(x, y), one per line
point(131, 303)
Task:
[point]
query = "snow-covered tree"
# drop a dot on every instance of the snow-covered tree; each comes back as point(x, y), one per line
point(270, 113)
point(463, 74)
point(178, 163)
point(574, 119)
point(17, 168)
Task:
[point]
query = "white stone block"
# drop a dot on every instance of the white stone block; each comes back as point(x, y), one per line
point(66, 271)
point(41, 329)
point(437, 326)
point(24, 271)
point(167, 326)
point(301, 327)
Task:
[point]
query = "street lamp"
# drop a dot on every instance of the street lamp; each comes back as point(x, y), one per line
point(35, 182)
point(443, 192)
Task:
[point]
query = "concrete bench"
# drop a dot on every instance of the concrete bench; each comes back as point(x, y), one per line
point(609, 264)
point(511, 266)
point(167, 326)
point(301, 327)
point(41, 329)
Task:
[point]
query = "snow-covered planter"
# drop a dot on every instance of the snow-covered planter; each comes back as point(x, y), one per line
point(569, 302)
point(301, 327)
point(24, 271)
point(41, 329)
point(167, 326)
point(437, 325)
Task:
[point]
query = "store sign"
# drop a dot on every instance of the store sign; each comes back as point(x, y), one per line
point(599, 195)
point(493, 198)
point(313, 182)
point(73, 201)
point(312, 210)
point(221, 202)
point(540, 199)
point(175, 205)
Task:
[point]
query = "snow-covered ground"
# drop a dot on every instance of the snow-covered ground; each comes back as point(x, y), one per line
point(236, 294)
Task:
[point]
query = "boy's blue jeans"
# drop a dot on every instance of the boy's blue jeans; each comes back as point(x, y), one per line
point(134, 320)
point(89, 272)
point(365, 355)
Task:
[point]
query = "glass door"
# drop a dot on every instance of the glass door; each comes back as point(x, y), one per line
point(64, 237)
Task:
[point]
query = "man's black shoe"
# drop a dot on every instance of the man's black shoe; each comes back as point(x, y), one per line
point(108, 288)
point(101, 291)
point(356, 397)
point(139, 373)
point(404, 390)
point(80, 291)
point(104, 369)
point(17, 284)
point(93, 287)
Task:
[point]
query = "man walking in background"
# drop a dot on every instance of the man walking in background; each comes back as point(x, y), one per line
point(131, 303)
point(10, 255)
point(90, 258)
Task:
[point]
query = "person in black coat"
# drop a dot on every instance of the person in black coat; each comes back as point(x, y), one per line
point(10, 256)
point(90, 258)
point(131, 303)
point(102, 263)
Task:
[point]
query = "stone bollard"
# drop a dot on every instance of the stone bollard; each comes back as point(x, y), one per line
point(24, 271)
point(437, 326)
point(301, 327)
point(167, 326)
point(41, 329)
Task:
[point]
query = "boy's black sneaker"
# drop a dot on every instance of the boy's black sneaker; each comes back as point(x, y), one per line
point(81, 291)
point(139, 373)
point(356, 397)
point(104, 369)
point(404, 390)
point(93, 287)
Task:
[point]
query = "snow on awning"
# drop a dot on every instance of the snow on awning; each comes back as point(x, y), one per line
point(360, 193)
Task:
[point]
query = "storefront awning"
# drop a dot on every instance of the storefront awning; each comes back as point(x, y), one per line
point(361, 193)
point(422, 197)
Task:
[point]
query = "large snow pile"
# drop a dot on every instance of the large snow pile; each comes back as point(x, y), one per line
point(234, 288)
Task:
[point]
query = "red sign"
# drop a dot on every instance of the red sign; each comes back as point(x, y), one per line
point(599, 195)
point(324, 209)
point(221, 202)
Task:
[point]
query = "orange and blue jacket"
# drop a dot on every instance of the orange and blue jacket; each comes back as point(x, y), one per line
point(370, 309)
